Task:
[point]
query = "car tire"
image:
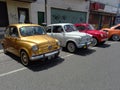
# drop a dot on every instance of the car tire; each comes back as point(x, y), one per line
point(94, 42)
point(24, 58)
point(115, 37)
point(71, 47)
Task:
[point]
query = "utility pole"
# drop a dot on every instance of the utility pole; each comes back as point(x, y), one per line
point(46, 12)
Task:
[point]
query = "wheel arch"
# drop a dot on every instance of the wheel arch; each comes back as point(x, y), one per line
point(72, 42)
point(23, 49)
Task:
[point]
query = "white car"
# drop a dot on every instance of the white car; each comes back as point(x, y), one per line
point(69, 36)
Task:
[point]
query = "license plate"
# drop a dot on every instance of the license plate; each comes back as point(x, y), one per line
point(49, 57)
point(85, 46)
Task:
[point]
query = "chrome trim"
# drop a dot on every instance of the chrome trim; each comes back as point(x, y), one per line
point(104, 39)
point(42, 56)
point(83, 44)
point(51, 53)
point(36, 57)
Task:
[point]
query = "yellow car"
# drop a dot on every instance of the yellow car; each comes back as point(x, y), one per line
point(30, 42)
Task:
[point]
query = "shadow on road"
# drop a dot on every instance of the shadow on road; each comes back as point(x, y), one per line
point(82, 52)
point(39, 65)
point(104, 46)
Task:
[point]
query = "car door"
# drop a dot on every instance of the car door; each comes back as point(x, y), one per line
point(7, 39)
point(59, 34)
point(14, 39)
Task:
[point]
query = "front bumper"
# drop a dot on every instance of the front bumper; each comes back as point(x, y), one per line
point(84, 45)
point(105, 39)
point(45, 55)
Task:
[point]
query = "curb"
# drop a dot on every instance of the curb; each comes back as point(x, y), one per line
point(1, 51)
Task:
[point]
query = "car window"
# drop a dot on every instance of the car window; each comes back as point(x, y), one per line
point(118, 27)
point(12, 31)
point(31, 30)
point(81, 27)
point(57, 29)
point(70, 28)
point(48, 29)
point(7, 32)
point(90, 27)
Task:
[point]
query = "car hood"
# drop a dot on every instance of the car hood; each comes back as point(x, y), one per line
point(39, 39)
point(95, 32)
point(76, 33)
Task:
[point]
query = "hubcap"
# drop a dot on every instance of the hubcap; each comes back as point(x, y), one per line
point(71, 47)
point(24, 58)
point(115, 37)
point(94, 42)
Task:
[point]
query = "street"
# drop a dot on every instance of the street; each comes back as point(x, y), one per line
point(97, 68)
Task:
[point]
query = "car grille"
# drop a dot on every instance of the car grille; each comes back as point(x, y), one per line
point(47, 47)
point(85, 39)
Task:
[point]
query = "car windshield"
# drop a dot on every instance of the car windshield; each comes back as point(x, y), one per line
point(31, 30)
point(90, 27)
point(70, 28)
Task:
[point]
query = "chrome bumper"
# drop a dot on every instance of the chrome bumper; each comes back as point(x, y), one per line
point(43, 56)
point(84, 45)
point(105, 39)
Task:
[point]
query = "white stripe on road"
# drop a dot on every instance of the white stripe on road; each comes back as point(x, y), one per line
point(67, 55)
point(17, 70)
point(1, 51)
point(14, 71)
point(112, 42)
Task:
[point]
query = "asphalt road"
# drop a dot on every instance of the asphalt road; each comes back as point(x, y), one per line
point(97, 68)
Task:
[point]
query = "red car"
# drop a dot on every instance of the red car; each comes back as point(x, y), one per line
point(99, 36)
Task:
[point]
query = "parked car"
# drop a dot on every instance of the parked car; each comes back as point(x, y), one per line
point(99, 36)
point(69, 36)
point(113, 32)
point(30, 43)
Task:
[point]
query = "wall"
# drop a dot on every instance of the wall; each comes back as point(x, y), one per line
point(35, 7)
point(12, 10)
point(109, 2)
point(75, 5)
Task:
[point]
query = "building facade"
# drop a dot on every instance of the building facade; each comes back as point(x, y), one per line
point(57, 11)
point(98, 12)
point(103, 13)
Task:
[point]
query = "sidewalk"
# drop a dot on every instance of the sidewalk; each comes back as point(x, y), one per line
point(1, 51)
point(1, 37)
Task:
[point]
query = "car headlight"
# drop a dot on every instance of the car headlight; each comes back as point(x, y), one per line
point(34, 48)
point(80, 39)
point(101, 35)
point(58, 42)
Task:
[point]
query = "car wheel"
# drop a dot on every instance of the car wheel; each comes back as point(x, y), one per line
point(24, 58)
point(94, 42)
point(71, 47)
point(115, 37)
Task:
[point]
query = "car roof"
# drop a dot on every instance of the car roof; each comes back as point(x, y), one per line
point(21, 25)
point(85, 24)
point(62, 24)
point(115, 26)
